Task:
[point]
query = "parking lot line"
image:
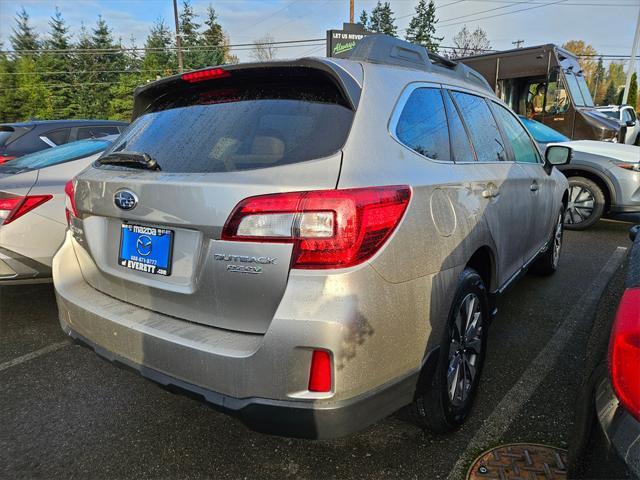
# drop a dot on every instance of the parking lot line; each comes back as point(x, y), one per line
point(30, 356)
point(496, 424)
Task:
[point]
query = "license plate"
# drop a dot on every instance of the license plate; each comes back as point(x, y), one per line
point(146, 249)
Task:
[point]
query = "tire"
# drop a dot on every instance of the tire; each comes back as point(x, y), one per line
point(586, 204)
point(547, 263)
point(439, 405)
point(637, 142)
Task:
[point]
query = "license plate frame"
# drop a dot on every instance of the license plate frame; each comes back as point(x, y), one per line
point(136, 240)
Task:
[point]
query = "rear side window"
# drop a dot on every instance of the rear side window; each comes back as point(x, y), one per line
point(482, 127)
point(523, 149)
point(58, 136)
point(243, 123)
point(422, 125)
point(460, 146)
point(96, 132)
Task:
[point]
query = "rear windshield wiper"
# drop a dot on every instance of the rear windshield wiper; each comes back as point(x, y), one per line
point(131, 160)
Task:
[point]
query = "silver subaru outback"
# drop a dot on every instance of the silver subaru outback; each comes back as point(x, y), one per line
point(311, 245)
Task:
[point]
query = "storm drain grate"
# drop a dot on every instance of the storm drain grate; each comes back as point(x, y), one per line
point(520, 461)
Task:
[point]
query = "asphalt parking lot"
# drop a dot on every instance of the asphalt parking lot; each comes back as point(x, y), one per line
point(65, 413)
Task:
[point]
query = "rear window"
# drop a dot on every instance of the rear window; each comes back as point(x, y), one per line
point(10, 134)
point(227, 125)
point(55, 156)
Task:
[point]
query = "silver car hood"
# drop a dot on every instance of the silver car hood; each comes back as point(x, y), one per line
point(615, 151)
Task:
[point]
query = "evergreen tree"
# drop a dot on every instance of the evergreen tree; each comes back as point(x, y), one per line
point(9, 106)
point(382, 19)
point(24, 36)
point(364, 19)
point(32, 96)
point(106, 66)
point(190, 38)
point(599, 82)
point(422, 27)
point(214, 39)
point(83, 66)
point(610, 95)
point(159, 59)
point(633, 91)
point(61, 94)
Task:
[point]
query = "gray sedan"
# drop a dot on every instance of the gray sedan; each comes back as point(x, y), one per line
point(32, 207)
point(604, 178)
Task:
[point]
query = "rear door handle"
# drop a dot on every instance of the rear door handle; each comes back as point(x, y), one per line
point(535, 187)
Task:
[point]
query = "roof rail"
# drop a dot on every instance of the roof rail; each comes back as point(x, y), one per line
point(387, 50)
point(384, 49)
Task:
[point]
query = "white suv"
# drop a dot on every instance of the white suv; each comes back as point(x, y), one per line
point(627, 116)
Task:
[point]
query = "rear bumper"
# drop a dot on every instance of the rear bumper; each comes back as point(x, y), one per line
point(277, 417)
point(260, 378)
point(619, 433)
point(17, 269)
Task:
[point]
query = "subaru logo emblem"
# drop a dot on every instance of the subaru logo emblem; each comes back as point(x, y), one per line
point(144, 246)
point(125, 199)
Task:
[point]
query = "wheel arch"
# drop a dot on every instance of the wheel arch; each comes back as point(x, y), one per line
point(483, 261)
point(599, 179)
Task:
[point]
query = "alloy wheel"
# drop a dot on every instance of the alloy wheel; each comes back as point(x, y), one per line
point(465, 349)
point(580, 206)
point(557, 241)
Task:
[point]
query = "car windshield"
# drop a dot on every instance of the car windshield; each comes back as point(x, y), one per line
point(541, 133)
point(584, 89)
point(579, 89)
point(209, 130)
point(55, 156)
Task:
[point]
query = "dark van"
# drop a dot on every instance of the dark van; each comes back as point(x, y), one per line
point(545, 83)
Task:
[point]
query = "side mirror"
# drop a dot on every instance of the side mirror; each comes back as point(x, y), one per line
point(558, 155)
point(631, 123)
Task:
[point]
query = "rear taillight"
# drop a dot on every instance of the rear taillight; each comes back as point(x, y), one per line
point(204, 75)
point(70, 201)
point(329, 228)
point(320, 373)
point(624, 352)
point(12, 208)
point(5, 158)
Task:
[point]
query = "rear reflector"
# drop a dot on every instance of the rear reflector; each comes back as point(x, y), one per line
point(70, 201)
point(204, 75)
point(12, 208)
point(328, 228)
point(320, 374)
point(624, 352)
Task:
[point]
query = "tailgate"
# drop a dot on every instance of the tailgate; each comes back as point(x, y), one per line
point(153, 237)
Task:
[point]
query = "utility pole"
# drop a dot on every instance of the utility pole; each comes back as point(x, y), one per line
point(351, 7)
point(517, 43)
point(178, 41)
point(632, 60)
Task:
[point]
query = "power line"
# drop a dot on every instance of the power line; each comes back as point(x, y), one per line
point(574, 3)
point(119, 50)
point(506, 13)
point(512, 4)
point(270, 16)
point(437, 8)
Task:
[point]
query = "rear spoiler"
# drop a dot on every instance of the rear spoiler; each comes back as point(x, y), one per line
point(146, 95)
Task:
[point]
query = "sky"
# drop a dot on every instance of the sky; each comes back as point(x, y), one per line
point(608, 25)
